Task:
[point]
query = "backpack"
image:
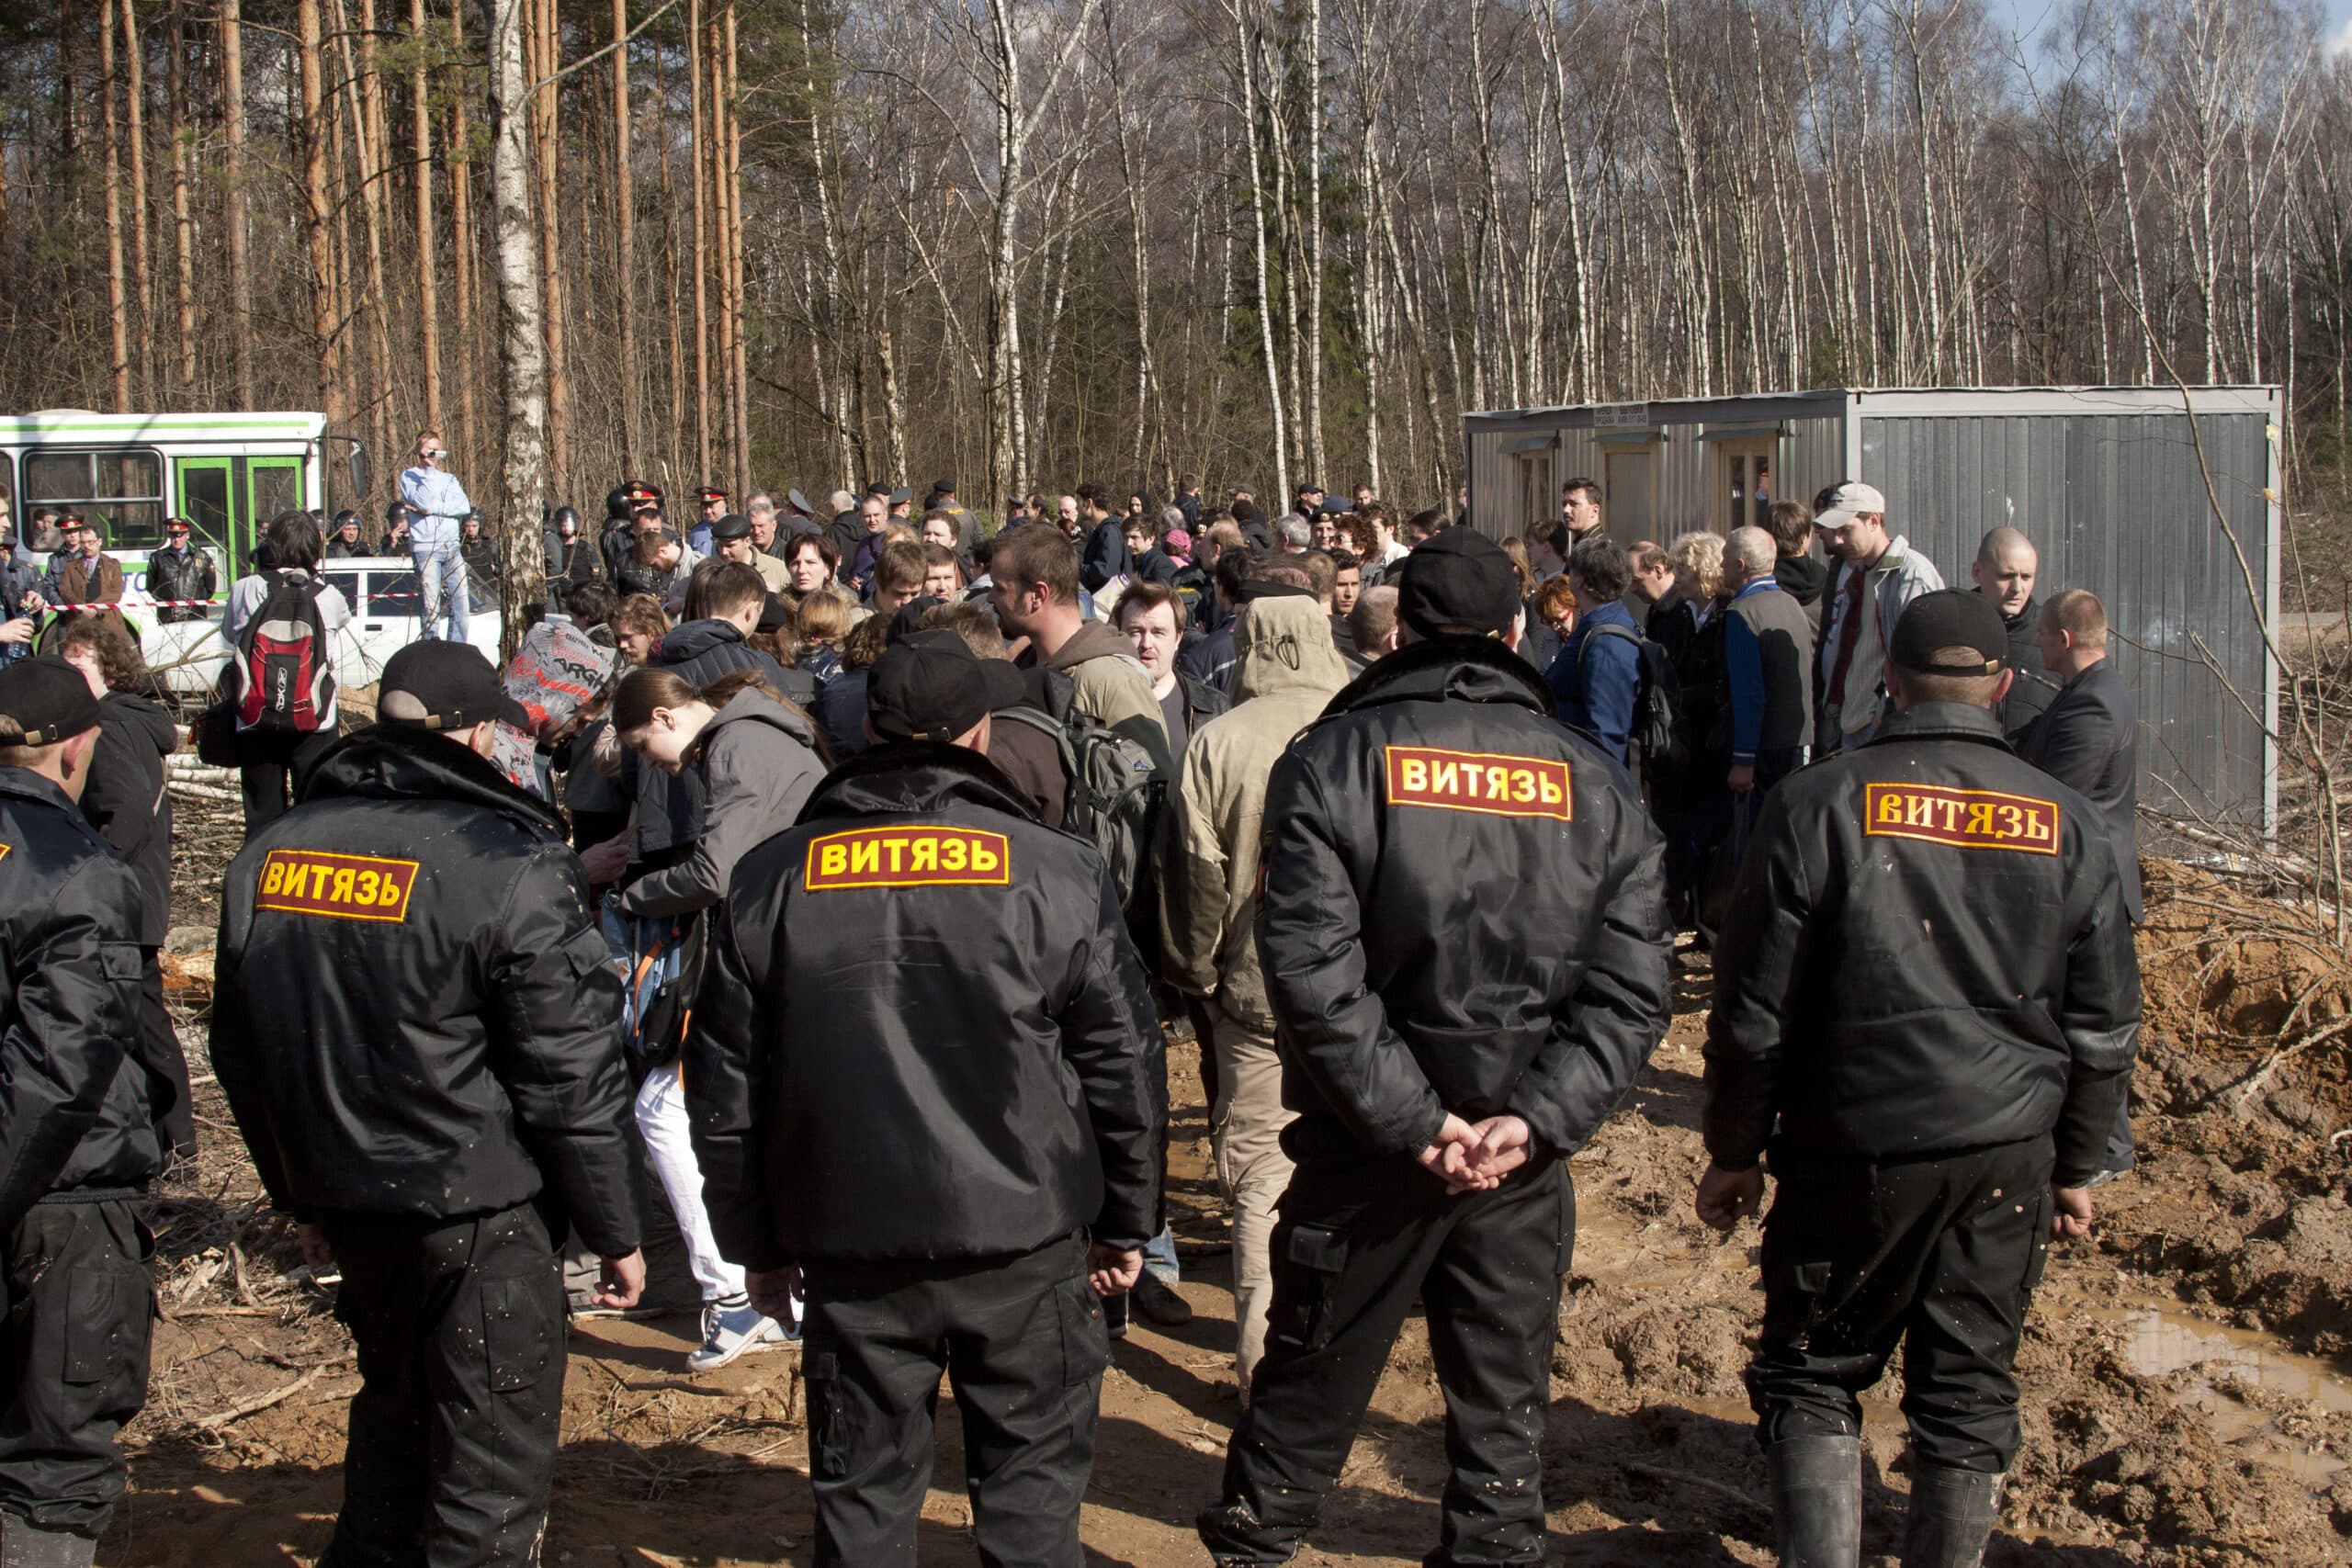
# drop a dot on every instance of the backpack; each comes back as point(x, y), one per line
point(284, 663)
point(1655, 734)
point(1115, 791)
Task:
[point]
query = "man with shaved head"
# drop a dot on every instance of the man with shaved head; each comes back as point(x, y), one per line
point(2005, 571)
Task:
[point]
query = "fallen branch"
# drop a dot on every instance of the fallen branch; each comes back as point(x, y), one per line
point(259, 1402)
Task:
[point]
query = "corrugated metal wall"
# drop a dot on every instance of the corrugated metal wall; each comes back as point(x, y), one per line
point(1813, 458)
point(2116, 503)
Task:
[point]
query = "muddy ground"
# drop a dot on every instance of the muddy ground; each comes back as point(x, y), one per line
point(2185, 1396)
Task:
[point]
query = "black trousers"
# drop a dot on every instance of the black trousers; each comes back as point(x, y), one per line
point(1356, 1240)
point(271, 766)
point(1022, 1341)
point(79, 1289)
point(1941, 1255)
point(460, 1329)
point(159, 1051)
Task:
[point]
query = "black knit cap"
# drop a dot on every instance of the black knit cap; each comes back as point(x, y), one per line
point(1457, 580)
point(49, 699)
point(1949, 617)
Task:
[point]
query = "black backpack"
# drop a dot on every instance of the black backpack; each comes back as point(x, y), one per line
point(285, 663)
point(1656, 734)
point(1115, 791)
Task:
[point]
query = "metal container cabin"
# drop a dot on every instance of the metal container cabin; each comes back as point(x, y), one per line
point(2106, 481)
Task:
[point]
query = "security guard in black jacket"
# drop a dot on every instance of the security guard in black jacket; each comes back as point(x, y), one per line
point(926, 1080)
point(1464, 934)
point(77, 1148)
point(1928, 1020)
point(419, 1031)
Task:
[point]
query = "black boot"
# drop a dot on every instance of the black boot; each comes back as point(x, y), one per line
point(1817, 1501)
point(1951, 1517)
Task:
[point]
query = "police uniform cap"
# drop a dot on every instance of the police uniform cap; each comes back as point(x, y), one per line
point(1949, 617)
point(734, 525)
point(49, 700)
point(182, 526)
point(1457, 580)
point(930, 685)
point(441, 685)
point(707, 494)
point(800, 503)
point(901, 495)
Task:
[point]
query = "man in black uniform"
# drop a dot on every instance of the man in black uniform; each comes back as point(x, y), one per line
point(1465, 943)
point(925, 1075)
point(77, 1279)
point(418, 1029)
point(1927, 1018)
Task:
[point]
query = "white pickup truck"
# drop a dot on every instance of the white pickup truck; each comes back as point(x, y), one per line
point(188, 656)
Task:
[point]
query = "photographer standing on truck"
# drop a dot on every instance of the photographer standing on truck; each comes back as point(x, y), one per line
point(433, 544)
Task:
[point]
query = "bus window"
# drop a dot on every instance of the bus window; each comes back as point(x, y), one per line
point(121, 487)
point(7, 494)
point(278, 487)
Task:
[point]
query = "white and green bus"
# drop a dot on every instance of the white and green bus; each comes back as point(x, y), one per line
point(227, 473)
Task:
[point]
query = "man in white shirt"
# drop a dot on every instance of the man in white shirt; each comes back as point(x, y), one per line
point(433, 544)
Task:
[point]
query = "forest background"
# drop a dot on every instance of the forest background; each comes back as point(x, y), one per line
point(1026, 242)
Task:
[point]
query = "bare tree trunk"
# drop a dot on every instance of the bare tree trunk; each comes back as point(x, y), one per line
point(894, 409)
point(701, 148)
point(739, 369)
point(367, 84)
point(324, 322)
point(1312, 108)
point(546, 140)
point(183, 215)
point(142, 279)
point(722, 242)
point(428, 297)
point(1258, 222)
point(118, 301)
point(522, 346)
point(464, 243)
point(241, 277)
point(625, 235)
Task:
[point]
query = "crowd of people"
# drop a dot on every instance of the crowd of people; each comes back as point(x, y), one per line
point(838, 867)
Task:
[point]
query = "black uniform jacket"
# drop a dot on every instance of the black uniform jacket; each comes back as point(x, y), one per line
point(74, 1115)
point(1463, 911)
point(2088, 738)
point(415, 1013)
point(1927, 953)
point(125, 800)
point(924, 1033)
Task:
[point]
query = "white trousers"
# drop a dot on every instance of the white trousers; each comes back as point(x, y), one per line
point(669, 1150)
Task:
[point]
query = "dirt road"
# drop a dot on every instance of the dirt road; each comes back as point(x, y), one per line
point(2185, 1402)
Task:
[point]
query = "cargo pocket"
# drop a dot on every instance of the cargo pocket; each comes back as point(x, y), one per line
point(2038, 1243)
point(830, 1430)
point(517, 1338)
point(1307, 1279)
point(1086, 1340)
point(103, 1337)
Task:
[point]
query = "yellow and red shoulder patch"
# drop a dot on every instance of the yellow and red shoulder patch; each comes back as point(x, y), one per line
point(913, 855)
point(1964, 819)
point(1491, 782)
point(344, 888)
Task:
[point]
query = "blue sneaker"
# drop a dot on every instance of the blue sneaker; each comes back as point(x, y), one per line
point(732, 1328)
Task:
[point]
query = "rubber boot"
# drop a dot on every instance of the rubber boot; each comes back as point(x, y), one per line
point(22, 1545)
point(1951, 1517)
point(1816, 1501)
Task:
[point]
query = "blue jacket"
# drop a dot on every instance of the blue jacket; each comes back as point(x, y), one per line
point(1105, 555)
point(1596, 691)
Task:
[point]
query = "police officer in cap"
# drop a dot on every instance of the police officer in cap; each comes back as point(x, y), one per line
point(418, 1030)
point(1462, 930)
point(76, 1276)
point(1927, 1024)
point(927, 1081)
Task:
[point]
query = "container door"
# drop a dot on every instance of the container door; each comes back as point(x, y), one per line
point(1625, 510)
point(1743, 484)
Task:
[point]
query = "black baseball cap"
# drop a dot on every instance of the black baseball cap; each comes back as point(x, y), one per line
point(1458, 581)
point(1949, 617)
point(932, 686)
point(734, 525)
point(442, 685)
point(49, 700)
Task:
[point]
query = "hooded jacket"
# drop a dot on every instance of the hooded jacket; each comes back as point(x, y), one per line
point(1803, 579)
point(1285, 673)
point(925, 1033)
point(437, 1034)
point(1933, 958)
point(669, 810)
point(125, 800)
point(1464, 909)
point(1112, 686)
point(757, 762)
point(74, 1121)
